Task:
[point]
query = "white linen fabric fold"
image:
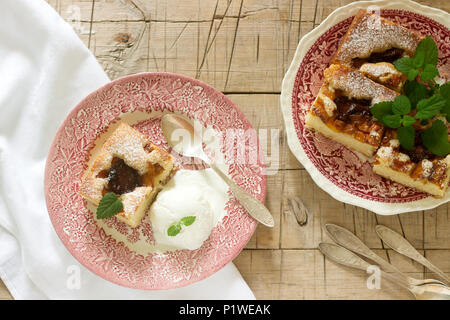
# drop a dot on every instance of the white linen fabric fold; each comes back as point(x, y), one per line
point(46, 70)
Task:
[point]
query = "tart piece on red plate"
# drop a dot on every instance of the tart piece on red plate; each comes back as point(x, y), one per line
point(131, 167)
point(417, 168)
point(341, 110)
point(372, 44)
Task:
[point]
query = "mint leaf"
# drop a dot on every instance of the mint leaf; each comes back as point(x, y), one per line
point(412, 74)
point(380, 109)
point(392, 120)
point(435, 139)
point(418, 59)
point(408, 120)
point(428, 108)
point(174, 230)
point(416, 92)
point(444, 91)
point(404, 65)
point(401, 105)
point(187, 221)
point(429, 72)
point(429, 49)
point(109, 206)
point(406, 136)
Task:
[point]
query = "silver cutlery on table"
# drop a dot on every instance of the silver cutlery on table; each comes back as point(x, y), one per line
point(348, 240)
point(429, 291)
point(172, 122)
point(402, 246)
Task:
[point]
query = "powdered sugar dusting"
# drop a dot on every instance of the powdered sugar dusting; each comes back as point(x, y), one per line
point(394, 143)
point(374, 134)
point(378, 69)
point(328, 104)
point(356, 85)
point(385, 153)
point(403, 157)
point(427, 167)
point(128, 144)
point(373, 33)
point(132, 200)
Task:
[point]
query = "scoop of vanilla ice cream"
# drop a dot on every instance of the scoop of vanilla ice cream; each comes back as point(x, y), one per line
point(176, 201)
point(199, 193)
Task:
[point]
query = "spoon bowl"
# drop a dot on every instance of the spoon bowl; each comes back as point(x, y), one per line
point(174, 127)
point(191, 145)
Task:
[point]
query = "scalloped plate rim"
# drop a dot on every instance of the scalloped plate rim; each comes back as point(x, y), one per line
point(59, 231)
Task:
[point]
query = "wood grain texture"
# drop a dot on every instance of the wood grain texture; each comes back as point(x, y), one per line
point(243, 48)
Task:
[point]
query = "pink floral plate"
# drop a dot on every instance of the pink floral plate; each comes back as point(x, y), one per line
point(152, 94)
point(335, 168)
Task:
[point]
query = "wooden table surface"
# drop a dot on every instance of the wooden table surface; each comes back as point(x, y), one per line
point(243, 48)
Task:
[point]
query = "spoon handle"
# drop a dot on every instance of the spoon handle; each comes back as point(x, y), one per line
point(254, 207)
point(402, 246)
point(347, 258)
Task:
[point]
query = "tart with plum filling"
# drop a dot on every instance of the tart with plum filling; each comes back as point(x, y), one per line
point(130, 166)
point(341, 110)
point(417, 168)
point(372, 44)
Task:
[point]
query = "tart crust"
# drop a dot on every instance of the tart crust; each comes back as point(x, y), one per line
point(152, 163)
point(323, 116)
point(428, 175)
point(371, 34)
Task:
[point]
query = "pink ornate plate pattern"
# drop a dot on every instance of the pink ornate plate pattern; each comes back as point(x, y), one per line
point(335, 168)
point(68, 157)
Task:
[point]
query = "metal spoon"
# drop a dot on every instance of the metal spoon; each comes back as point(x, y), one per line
point(402, 246)
point(431, 291)
point(172, 122)
point(348, 240)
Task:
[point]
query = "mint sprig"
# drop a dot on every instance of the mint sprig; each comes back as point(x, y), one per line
point(397, 115)
point(393, 113)
point(429, 49)
point(435, 139)
point(406, 136)
point(423, 63)
point(401, 105)
point(416, 91)
point(423, 100)
point(444, 91)
point(428, 108)
point(109, 206)
point(176, 228)
point(429, 72)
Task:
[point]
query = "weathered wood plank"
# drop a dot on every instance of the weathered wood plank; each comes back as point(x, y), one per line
point(437, 228)
point(262, 271)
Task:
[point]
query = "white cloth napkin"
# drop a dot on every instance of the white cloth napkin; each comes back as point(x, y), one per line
point(45, 71)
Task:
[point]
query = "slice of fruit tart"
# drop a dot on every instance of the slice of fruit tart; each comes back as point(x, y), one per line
point(417, 168)
point(341, 110)
point(130, 167)
point(372, 44)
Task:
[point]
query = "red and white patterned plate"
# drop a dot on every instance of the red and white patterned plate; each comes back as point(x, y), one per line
point(335, 168)
point(151, 93)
